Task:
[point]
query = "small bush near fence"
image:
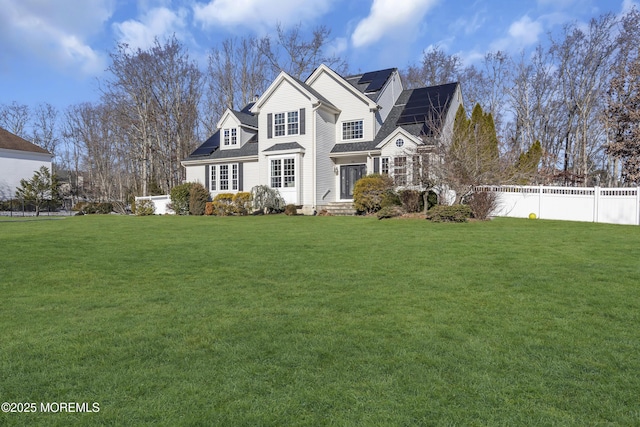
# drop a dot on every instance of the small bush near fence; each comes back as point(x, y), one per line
point(483, 203)
point(444, 213)
point(198, 197)
point(87, 208)
point(144, 207)
point(180, 198)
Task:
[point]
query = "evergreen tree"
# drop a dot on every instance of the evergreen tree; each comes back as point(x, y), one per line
point(41, 188)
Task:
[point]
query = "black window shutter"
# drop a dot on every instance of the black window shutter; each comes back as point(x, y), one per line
point(240, 177)
point(376, 165)
point(302, 121)
point(206, 177)
point(269, 125)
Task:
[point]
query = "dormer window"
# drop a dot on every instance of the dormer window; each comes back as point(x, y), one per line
point(230, 136)
point(352, 130)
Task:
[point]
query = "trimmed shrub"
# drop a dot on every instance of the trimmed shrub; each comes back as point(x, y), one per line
point(267, 199)
point(198, 198)
point(93, 208)
point(390, 212)
point(144, 207)
point(444, 213)
point(370, 191)
point(222, 204)
point(242, 203)
point(410, 200)
point(483, 203)
point(290, 210)
point(180, 198)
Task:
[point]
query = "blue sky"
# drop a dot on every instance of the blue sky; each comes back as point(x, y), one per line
point(56, 50)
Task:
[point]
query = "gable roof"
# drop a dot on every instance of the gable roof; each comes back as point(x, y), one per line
point(323, 69)
point(246, 119)
point(314, 96)
point(10, 141)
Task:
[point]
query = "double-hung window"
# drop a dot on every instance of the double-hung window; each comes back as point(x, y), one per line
point(230, 136)
point(283, 173)
point(286, 123)
point(214, 178)
point(352, 130)
point(400, 170)
point(385, 166)
point(224, 177)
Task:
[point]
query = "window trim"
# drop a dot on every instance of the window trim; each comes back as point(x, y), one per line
point(353, 130)
point(232, 180)
point(285, 172)
point(283, 122)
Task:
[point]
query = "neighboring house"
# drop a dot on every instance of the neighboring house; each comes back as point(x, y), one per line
point(19, 159)
point(313, 140)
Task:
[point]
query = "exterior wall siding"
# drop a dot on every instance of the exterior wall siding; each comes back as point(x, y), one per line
point(16, 165)
point(325, 140)
point(195, 174)
point(288, 98)
point(350, 105)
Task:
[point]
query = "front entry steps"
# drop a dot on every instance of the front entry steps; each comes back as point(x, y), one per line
point(341, 208)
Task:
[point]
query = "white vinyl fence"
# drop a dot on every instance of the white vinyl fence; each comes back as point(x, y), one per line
point(160, 202)
point(592, 204)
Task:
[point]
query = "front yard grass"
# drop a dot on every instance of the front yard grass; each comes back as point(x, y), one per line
point(282, 320)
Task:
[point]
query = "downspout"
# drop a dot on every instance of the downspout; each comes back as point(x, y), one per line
point(314, 159)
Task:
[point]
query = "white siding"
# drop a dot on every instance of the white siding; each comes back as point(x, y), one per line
point(251, 175)
point(352, 107)
point(288, 98)
point(195, 174)
point(16, 165)
point(325, 140)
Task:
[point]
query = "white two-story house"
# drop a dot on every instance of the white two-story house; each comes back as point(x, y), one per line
point(313, 140)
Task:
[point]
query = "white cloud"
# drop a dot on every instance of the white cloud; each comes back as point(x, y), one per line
point(54, 32)
point(627, 5)
point(156, 23)
point(389, 15)
point(522, 33)
point(258, 14)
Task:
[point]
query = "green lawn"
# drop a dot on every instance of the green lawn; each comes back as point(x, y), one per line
point(320, 321)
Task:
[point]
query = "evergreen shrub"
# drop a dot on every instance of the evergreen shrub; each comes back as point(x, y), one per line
point(390, 212)
point(371, 191)
point(444, 213)
point(198, 198)
point(144, 208)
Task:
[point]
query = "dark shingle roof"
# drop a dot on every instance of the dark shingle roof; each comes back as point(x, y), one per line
point(246, 118)
point(10, 141)
point(210, 149)
point(284, 146)
point(348, 147)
